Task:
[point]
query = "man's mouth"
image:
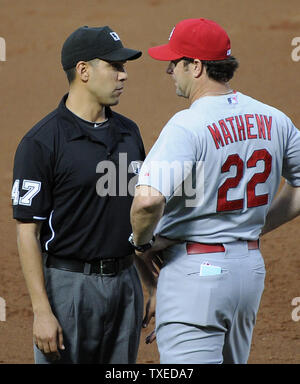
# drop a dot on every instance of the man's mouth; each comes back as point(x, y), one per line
point(119, 90)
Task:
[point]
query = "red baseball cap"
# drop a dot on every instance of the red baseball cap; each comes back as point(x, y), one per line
point(194, 38)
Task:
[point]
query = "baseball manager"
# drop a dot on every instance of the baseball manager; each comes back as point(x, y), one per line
point(208, 184)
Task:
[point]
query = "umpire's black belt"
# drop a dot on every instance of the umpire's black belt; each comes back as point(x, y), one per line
point(104, 267)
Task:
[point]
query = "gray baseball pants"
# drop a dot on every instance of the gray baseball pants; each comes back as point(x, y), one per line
point(101, 317)
point(208, 319)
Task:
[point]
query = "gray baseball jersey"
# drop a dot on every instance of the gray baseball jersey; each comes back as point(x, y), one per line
point(219, 165)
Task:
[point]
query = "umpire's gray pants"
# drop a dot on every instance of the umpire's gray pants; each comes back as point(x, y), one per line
point(101, 317)
point(208, 319)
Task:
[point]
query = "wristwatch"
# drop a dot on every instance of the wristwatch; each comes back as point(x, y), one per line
point(141, 248)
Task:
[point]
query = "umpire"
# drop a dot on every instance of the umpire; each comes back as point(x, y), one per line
point(72, 228)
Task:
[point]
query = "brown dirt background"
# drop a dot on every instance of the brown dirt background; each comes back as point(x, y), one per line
point(32, 83)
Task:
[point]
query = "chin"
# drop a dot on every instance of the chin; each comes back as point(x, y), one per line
point(112, 103)
point(179, 93)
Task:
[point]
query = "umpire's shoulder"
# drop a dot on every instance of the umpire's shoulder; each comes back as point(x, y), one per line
point(43, 131)
point(125, 121)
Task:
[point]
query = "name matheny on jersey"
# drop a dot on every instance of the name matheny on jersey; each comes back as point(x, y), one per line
point(241, 128)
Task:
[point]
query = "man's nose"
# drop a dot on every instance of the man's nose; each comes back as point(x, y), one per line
point(123, 75)
point(169, 69)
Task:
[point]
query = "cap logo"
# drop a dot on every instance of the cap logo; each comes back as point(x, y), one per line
point(171, 33)
point(115, 36)
point(229, 52)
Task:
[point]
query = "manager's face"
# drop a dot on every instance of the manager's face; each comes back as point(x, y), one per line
point(179, 70)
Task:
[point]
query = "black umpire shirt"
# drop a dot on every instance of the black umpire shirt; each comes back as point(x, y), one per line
point(78, 179)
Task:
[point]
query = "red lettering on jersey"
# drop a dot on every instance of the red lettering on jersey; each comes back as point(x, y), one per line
point(225, 130)
point(216, 135)
point(230, 120)
point(249, 126)
point(268, 125)
point(241, 127)
point(260, 126)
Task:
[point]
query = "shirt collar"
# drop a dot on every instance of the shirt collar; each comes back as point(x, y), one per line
point(72, 127)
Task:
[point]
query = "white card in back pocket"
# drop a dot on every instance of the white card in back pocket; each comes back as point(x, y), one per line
point(207, 269)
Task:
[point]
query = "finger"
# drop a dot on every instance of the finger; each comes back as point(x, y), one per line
point(160, 256)
point(151, 265)
point(151, 337)
point(52, 354)
point(157, 261)
point(150, 313)
point(145, 322)
point(45, 347)
point(146, 318)
point(39, 345)
point(60, 339)
point(150, 262)
point(155, 271)
point(53, 346)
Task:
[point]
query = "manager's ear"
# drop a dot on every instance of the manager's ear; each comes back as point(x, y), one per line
point(197, 68)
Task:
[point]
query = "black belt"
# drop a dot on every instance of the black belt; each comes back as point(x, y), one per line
point(104, 267)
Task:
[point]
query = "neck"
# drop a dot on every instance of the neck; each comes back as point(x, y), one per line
point(83, 105)
point(211, 88)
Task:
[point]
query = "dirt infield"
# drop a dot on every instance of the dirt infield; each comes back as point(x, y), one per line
point(32, 83)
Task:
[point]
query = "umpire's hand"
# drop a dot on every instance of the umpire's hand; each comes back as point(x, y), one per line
point(47, 335)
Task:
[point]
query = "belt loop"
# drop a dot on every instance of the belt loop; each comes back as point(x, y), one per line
point(87, 268)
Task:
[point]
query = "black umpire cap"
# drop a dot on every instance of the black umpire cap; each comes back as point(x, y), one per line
point(88, 43)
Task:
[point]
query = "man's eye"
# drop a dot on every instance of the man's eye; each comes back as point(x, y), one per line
point(118, 67)
point(175, 62)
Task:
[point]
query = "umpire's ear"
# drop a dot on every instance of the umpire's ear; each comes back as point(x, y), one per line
point(82, 70)
point(197, 67)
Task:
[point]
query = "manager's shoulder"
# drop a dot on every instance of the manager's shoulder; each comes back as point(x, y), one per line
point(186, 120)
point(267, 108)
point(185, 117)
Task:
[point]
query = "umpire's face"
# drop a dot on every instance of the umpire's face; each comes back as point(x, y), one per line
point(106, 81)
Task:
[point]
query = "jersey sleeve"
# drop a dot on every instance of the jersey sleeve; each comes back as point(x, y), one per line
point(291, 160)
point(170, 160)
point(32, 181)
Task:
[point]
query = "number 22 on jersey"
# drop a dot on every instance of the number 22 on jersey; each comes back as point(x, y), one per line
point(253, 200)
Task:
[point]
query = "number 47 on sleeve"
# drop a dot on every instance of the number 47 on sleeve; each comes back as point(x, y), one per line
point(32, 187)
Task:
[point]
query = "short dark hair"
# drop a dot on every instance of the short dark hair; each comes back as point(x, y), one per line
point(218, 70)
point(71, 74)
